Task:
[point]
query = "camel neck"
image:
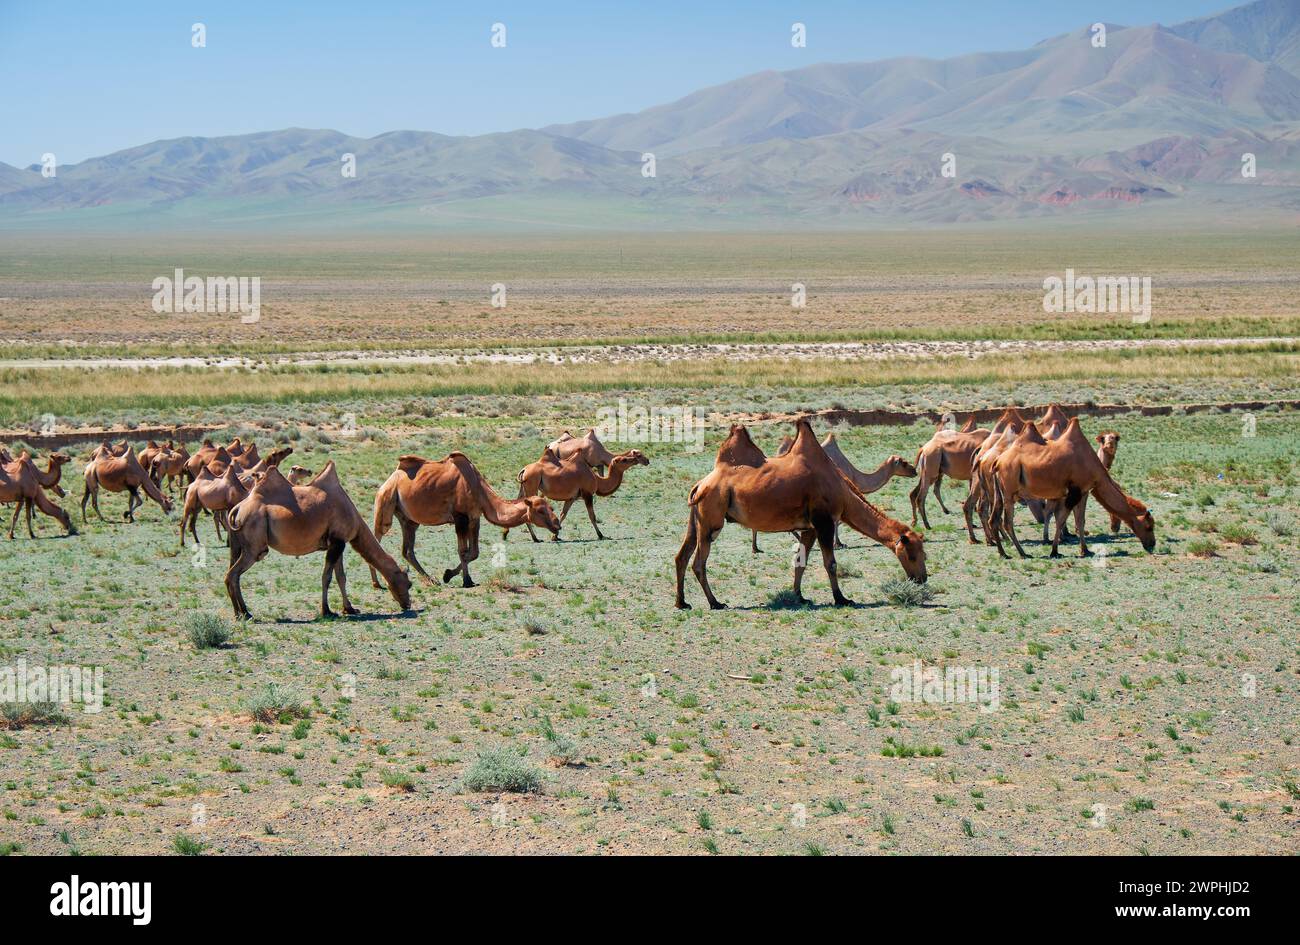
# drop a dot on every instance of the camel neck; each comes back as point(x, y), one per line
point(608, 484)
point(366, 545)
point(1112, 498)
point(506, 513)
point(864, 517)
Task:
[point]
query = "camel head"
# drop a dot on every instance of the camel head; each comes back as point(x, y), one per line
point(1144, 524)
point(299, 474)
point(275, 458)
point(1109, 442)
point(166, 503)
point(901, 467)
point(542, 515)
point(399, 585)
point(629, 459)
point(910, 551)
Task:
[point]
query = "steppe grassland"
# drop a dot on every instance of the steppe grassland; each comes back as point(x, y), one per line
point(1124, 725)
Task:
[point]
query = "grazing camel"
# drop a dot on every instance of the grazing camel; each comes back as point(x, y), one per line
point(947, 453)
point(588, 447)
point(1108, 446)
point(47, 479)
point(20, 484)
point(450, 491)
point(802, 491)
point(299, 474)
point(118, 474)
point(867, 483)
point(209, 493)
point(298, 520)
point(568, 480)
point(1066, 469)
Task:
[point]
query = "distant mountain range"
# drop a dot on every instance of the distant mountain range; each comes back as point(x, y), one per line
point(1160, 116)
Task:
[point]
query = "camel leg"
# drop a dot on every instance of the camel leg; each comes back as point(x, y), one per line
point(241, 559)
point(968, 508)
point(703, 545)
point(409, 529)
point(462, 548)
point(938, 495)
point(332, 555)
point(1079, 516)
point(918, 496)
point(838, 544)
point(341, 580)
point(591, 514)
point(471, 549)
point(46, 507)
point(132, 498)
point(825, 526)
point(27, 505)
point(806, 540)
point(1009, 525)
point(18, 507)
point(682, 557)
point(565, 511)
point(753, 543)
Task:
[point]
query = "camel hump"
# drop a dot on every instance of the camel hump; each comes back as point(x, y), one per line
point(410, 463)
point(830, 439)
point(1030, 434)
point(231, 475)
point(326, 477)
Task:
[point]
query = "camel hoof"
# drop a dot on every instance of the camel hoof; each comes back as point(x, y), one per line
point(351, 611)
point(844, 602)
point(327, 614)
point(447, 576)
point(1054, 554)
point(717, 605)
point(471, 584)
point(1085, 553)
point(682, 605)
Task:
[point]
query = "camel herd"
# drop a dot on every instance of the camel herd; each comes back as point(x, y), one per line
point(808, 489)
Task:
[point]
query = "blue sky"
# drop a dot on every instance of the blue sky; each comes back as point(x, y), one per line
point(81, 79)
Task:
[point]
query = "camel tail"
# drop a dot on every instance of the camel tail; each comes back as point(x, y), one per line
point(385, 506)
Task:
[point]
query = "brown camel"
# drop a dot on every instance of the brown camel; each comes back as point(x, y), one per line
point(209, 493)
point(248, 459)
point(247, 475)
point(947, 453)
point(298, 520)
point(568, 480)
point(299, 474)
point(206, 452)
point(147, 455)
point(588, 447)
point(170, 463)
point(1108, 446)
point(47, 479)
point(1066, 469)
point(20, 484)
point(1010, 423)
point(867, 483)
point(450, 491)
point(118, 474)
point(1050, 425)
point(802, 491)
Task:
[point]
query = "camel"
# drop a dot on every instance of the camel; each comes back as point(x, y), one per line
point(1108, 446)
point(298, 520)
point(1051, 425)
point(170, 462)
point(299, 474)
point(47, 479)
point(248, 474)
point(801, 491)
point(867, 483)
point(248, 458)
point(947, 453)
point(206, 452)
point(118, 474)
point(211, 494)
point(450, 491)
point(20, 484)
point(589, 447)
point(1010, 423)
point(1066, 469)
point(148, 455)
point(568, 480)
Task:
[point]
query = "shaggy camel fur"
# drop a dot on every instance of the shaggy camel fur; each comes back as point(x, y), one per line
point(568, 480)
point(450, 491)
point(947, 453)
point(213, 494)
point(1066, 469)
point(20, 484)
point(588, 447)
point(801, 491)
point(867, 483)
point(118, 474)
point(299, 520)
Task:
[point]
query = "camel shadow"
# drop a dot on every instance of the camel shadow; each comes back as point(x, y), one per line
point(354, 618)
